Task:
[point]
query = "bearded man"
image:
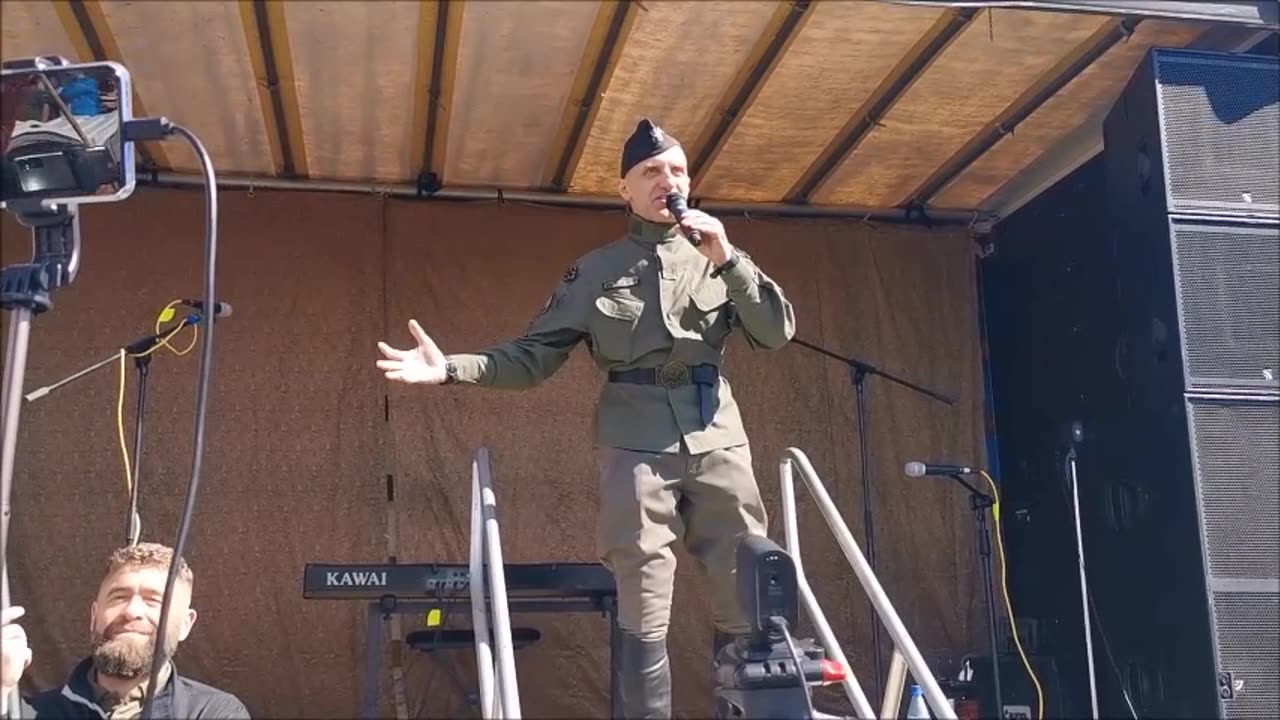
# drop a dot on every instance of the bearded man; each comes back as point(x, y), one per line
point(111, 683)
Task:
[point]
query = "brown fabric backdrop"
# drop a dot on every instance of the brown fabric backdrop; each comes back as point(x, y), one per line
point(300, 443)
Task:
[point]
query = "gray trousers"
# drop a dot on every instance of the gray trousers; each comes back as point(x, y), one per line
point(648, 502)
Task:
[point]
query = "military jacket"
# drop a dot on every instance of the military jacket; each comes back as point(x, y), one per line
point(643, 301)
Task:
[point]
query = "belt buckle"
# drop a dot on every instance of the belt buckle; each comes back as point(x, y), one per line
point(674, 374)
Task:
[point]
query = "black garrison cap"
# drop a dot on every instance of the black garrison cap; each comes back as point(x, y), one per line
point(646, 141)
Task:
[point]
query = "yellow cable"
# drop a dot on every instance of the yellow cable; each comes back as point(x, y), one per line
point(161, 317)
point(1004, 590)
point(124, 449)
point(164, 342)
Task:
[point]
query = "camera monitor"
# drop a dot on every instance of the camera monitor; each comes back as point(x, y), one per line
point(62, 139)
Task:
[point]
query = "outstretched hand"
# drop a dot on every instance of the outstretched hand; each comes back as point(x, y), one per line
point(424, 364)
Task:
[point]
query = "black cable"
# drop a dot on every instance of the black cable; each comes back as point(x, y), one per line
point(1106, 646)
point(781, 623)
point(158, 659)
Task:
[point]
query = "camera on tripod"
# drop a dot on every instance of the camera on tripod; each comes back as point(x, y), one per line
point(767, 673)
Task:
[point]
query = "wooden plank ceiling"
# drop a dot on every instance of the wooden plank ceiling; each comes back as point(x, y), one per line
point(858, 104)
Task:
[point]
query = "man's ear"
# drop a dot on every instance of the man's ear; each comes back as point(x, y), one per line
point(187, 622)
point(624, 191)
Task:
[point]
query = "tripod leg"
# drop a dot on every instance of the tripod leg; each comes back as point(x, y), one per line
point(15, 365)
point(15, 368)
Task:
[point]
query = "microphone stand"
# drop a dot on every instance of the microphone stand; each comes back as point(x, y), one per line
point(979, 502)
point(142, 364)
point(858, 372)
point(1077, 435)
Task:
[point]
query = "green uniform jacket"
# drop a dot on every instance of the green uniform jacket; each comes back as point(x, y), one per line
point(644, 300)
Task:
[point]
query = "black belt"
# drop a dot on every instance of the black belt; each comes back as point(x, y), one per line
point(673, 375)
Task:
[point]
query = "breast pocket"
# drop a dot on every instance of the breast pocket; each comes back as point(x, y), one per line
point(712, 312)
point(613, 325)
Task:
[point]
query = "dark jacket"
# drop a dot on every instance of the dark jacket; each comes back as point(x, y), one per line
point(181, 698)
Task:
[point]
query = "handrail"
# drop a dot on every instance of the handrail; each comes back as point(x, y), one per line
point(479, 617)
point(866, 576)
point(486, 565)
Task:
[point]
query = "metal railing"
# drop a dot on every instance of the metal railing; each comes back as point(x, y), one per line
point(904, 646)
point(486, 565)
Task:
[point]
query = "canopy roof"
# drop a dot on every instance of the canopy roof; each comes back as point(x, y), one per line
point(844, 104)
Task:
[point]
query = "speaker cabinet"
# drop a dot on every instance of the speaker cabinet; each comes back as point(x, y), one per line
point(1140, 298)
point(1187, 547)
point(1228, 292)
point(1192, 156)
point(1218, 119)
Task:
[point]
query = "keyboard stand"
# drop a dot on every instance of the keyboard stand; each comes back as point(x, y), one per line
point(379, 612)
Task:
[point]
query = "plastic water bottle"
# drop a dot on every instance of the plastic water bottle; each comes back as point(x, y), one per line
point(916, 708)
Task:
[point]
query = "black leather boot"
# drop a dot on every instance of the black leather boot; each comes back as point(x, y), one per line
point(645, 678)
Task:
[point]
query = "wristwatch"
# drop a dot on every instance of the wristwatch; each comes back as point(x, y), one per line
point(450, 372)
point(728, 264)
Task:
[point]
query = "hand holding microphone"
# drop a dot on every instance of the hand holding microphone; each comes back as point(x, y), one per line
point(679, 208)
point(704, 232)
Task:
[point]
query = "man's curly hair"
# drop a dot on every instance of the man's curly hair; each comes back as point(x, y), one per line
point(148, 555)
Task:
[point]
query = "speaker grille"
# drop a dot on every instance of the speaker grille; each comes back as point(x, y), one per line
point(1238, 481)
point(1248, 640)
point(1219, 117)
point(1229, 285)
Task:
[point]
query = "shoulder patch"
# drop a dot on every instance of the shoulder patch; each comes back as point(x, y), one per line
point(571, 274)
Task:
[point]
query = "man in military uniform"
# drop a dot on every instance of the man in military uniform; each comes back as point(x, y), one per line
point(655, 311)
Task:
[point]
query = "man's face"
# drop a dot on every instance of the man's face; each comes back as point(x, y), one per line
point(646, 185)
point(124, 618)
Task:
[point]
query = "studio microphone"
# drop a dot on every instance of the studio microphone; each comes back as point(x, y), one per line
point(919, 469)
point(678, 207)
point(220, 309)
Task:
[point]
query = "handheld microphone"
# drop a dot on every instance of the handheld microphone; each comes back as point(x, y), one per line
point(220, 309)
point(678, 207)
point(919, 469)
